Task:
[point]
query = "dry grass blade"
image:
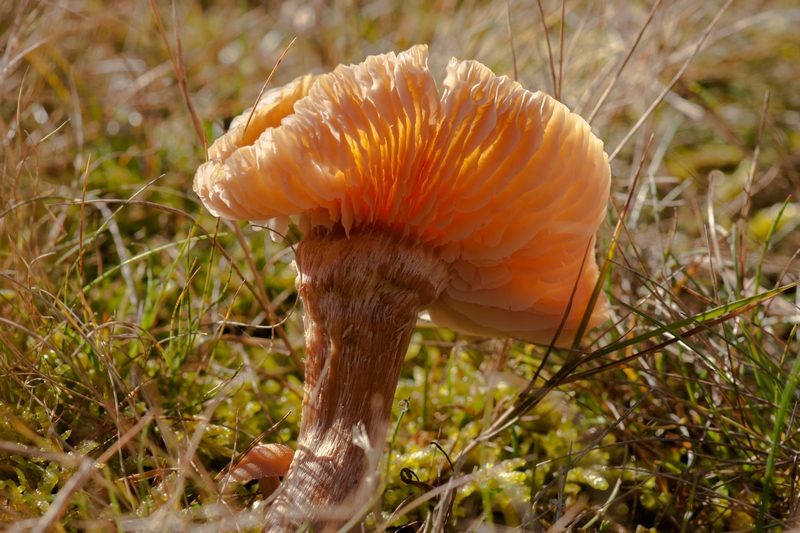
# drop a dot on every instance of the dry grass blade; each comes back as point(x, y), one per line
point(754, 165)
point(567, 373)
point(7, 63)
point(511, 39)
point(621, 218)
point(532, 383)
point(80, 227)
point(266, 84)
point(617, 74)
point(714, 317)
point(671, 84)
point(28, 451)
point(549, 50)
point(787, 396)
point(273, 318)
point(748, 189)
point(571, 513)
point(559, 90)
point(180, 72)
point(177, 64)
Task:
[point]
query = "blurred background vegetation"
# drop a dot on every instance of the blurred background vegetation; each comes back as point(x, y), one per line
point(137, 359)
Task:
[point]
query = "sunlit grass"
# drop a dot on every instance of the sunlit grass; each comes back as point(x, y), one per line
point(138, 359)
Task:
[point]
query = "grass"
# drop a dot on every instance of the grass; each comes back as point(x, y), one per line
point(137, 358)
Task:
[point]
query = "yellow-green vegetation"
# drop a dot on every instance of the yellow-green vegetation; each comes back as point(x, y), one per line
point(136, 358)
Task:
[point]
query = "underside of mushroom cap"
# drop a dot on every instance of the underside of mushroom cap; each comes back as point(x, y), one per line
point(507, 185)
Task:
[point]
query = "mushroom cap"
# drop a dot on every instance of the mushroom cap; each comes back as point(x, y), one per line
point(264, 460)
point(507, 185)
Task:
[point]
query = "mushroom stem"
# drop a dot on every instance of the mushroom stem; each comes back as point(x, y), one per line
point(361, 294)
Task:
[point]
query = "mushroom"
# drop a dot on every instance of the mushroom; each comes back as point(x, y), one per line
point(479, 204)
point(266, 463)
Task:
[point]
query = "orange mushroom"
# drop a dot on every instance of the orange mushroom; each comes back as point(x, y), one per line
point(478, 204)
point(266, 463)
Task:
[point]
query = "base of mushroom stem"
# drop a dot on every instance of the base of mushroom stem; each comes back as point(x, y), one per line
point(361, 294)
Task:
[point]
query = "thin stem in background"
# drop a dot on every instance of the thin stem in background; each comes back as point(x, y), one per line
point(559, 91)
point(549, 50)
point(511, 39)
